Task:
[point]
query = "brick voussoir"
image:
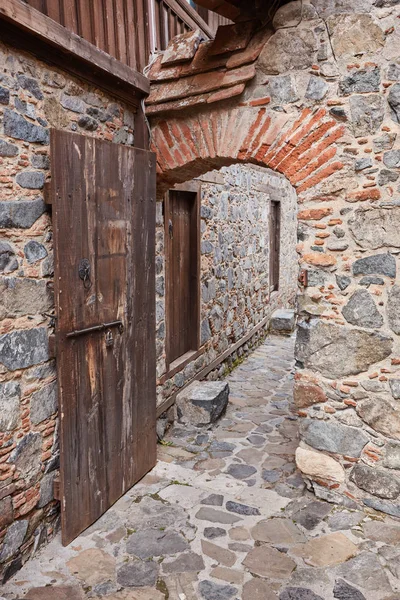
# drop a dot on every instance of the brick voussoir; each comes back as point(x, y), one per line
point(308, 143)
point(319, 176)
point(322, 159)
point(200, 141)
point(163, 151)
point(233, 139)
point(302, 133)
point(257, 142)
point(250, 134)
point(304, 157)
point(285, 135)
point(228, 139)
point(164, 128)
point(188, 137)
point(206, 126)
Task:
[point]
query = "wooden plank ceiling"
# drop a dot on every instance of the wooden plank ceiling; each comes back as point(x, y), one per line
point(242, 10)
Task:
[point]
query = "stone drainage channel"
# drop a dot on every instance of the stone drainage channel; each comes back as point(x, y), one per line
point(225, 515)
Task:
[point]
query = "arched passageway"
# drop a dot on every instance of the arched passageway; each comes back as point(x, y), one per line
point(306, 107)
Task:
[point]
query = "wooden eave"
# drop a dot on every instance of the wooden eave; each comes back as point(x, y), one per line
point(28, 29)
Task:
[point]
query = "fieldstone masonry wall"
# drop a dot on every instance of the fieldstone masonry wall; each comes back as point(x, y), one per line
point(235, 229)
point(33, 97)
point(321, 106)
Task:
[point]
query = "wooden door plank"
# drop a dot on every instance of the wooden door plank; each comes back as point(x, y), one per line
point(144, 293)
point(130, 35)
point(120, 24)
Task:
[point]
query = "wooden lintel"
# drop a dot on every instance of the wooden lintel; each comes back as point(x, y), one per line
point(73, 48)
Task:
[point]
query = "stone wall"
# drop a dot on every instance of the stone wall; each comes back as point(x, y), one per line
point(235, 213)
point(33, 98)
point(318, 101)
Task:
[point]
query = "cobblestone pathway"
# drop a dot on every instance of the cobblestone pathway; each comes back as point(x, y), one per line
point(225, 515)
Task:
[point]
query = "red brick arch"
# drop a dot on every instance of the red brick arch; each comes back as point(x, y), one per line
point(301, 147)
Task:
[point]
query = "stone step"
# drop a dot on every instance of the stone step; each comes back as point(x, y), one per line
point(282, 321)
point(202, 402)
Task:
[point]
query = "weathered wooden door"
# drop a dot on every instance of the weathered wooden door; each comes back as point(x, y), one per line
point(182, 268)
point(104, 227)
point(275, 244)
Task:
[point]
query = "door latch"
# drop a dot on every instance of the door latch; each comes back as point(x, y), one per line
point(170, 229)
point(100, 327)
point(109, 339)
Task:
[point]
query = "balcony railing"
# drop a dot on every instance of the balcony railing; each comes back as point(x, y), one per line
point(129, 30)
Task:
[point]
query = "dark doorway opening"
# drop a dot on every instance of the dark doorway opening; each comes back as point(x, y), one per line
point(274, 244)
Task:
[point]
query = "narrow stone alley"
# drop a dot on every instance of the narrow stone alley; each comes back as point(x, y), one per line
point(225, 515)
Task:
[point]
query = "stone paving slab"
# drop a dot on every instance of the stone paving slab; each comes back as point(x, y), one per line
point(225, 515)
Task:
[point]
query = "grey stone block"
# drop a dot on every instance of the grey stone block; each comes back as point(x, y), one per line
point(24, 348)
point(334, 437)
point(34, 251)
point(392, 456)
point(47, 489)
point(14, 537)
point(10, 393)
point(21, 214)
point(363, 163)
point(202, 403)
point(375, 481)
point(361, 310)
point(361, 82)
point(316, 89)
point(8, 261)
point(44, 403)
point(392, 159)
point(73, 103)
point(367, 114)
point(338, 351)
point(343, 281)
point(7, 149)
point(283, 321)
point(24, 296)
point(31, 85)
point(393, 309)
point(379, 264)
point(26, 456)
point(31, 180)
point(394, 102)
point(17, 127)
point(4, 95)
point(282, 90)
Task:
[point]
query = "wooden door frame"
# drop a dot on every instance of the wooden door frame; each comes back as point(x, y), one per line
point(173, 367)
point(273, 288)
